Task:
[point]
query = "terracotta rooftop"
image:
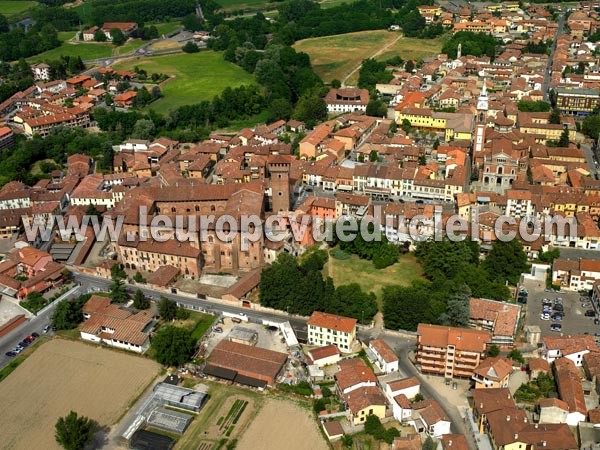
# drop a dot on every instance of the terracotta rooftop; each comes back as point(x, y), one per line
point(353, 372)
point(332, 322)
point(364, 397)
point(384, 350)
point(322, 352)
point(462, 338)
point(494, 369)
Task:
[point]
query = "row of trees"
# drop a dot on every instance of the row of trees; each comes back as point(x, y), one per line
point(299, 288)
point(476, 44)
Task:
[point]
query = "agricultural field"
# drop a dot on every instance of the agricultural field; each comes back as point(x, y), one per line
point(61, 376)
point(335, 57)
point(343, 271)
point(14, 7)
point(288, 426)
point(195, 77)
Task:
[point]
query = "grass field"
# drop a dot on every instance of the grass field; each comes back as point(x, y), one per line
point(86, 50)
point(166, 27)
point(412, 48)
point(61, 376)
point(334, 57)
point(197, 77)
point(363, 272)
point(13, 7)
point(241, 4)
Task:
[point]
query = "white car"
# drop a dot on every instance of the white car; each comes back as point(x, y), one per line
point(545, 316)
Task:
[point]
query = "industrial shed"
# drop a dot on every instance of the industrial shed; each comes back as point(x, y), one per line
point(244, 364)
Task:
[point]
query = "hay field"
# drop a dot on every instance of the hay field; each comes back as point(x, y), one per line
point(66, 375)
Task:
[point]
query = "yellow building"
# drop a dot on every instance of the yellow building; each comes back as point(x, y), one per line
point(363, 402)
point(430, 9)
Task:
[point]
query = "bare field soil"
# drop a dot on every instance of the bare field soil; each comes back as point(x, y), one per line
point(61, 376)
point(283, 424)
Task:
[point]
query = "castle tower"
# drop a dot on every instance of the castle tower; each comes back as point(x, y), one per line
point(279, 168)
point(482, 108)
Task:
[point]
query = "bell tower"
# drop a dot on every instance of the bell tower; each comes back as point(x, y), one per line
point(482, 108)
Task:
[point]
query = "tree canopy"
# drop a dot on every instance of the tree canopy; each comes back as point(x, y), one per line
point(173, 346)
point(74, 432)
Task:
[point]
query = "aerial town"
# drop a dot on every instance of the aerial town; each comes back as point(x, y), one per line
point(305, 224)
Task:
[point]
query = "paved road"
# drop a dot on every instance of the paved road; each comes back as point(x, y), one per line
point(35, 324)
point(548, 71)
point(590, 158)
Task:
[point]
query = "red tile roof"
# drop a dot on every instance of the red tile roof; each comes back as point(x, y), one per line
point(332, 322)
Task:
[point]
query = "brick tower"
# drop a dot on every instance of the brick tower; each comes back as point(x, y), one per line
point(279, 168)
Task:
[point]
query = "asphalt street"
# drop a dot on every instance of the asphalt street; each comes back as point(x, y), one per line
point(34, 324)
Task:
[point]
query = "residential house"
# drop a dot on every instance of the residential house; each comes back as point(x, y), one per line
point(327, 329)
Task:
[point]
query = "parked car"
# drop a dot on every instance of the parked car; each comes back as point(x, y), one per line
point(590, 313)
point(218, 330)
point(558, 308)
point(46, 329)
point(17, 349)
point(556, 327)
point(24, 343)
point(557, 317)
point(35, 335)
point(11, 354)
point(586, 305)
point(545, 316)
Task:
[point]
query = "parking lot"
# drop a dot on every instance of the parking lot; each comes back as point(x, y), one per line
point(574, 322)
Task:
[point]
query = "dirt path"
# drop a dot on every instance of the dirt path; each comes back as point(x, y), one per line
point(374, 55)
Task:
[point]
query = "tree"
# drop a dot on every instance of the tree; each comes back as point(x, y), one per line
point(591, 126)
point(118, 38)
point(554, 117)
point(190, 47)
point(517, 356)
point(506, 261)
point(138, 277)
point(533, 106)
point(376, 108)
point(428, 444)
point(118, 291)
point(406, 126)
point(409, 66)
point(281, 108)
point(374, 427)
point(74, 432)
point(564, 138)
point(167, 308)
point(99, 36)
point(182, 313)
point(310, 109)
point(116, 272)
point(418, 398)
point(67, 314)
point(374, 156)
point(3, 24)
point(143, 129)
point(422, 160)
point(457, 309)
point(140, 301)
point(493, 350)
point(173, 346)
point(336, 84)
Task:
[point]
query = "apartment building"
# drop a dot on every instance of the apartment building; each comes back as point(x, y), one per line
point(450, 352)
point(327, 329)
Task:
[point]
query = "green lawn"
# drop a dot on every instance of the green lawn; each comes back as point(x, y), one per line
point(363, 272)
point(87, 50)
point(202, 323)
point(197, 77)
point(166, 27)
point(65, 35)
point(242, 4)
point(13, 7)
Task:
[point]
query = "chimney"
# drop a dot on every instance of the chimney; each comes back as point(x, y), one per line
point(543, 443)
point(516, 436)
point(481, 406)
point(508, 418)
